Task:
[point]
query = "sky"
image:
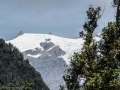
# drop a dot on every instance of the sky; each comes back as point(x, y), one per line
point(64, 18)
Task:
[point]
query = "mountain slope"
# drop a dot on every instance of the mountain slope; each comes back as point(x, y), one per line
point(15, 71)
point(49, 54)
point(31, 41)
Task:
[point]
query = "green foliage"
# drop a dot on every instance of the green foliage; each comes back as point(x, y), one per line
point(116, 4)
point(85, 63)
point(27, 86)
point(108, 64)
point(62, 88)
point(14, 70)
point(98, 61)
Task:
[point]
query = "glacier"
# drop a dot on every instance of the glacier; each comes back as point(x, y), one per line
point(48, 54)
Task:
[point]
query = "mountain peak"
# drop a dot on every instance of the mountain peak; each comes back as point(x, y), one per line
point(20, 33)
point(48, 54)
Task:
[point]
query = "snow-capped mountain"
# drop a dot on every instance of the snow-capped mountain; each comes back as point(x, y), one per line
point(48, 54)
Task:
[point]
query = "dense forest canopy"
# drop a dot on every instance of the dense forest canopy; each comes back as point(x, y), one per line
point(15, 71)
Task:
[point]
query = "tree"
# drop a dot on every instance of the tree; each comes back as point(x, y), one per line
point(84, 63)
point(27, 86)
point(14, 70)
point(98, 61)
point(61, 88)
point(110, 52)
point(116, 4)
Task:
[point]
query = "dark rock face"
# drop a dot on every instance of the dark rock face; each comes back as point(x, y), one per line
point(20, 33)
point(50, 63)
point(46, 45)
point(32, 52)
point(56, 51)
point(52, 53)
point(48, 39)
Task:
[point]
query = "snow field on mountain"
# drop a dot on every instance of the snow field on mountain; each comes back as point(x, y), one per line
point(49, 54)
point(31, 41)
